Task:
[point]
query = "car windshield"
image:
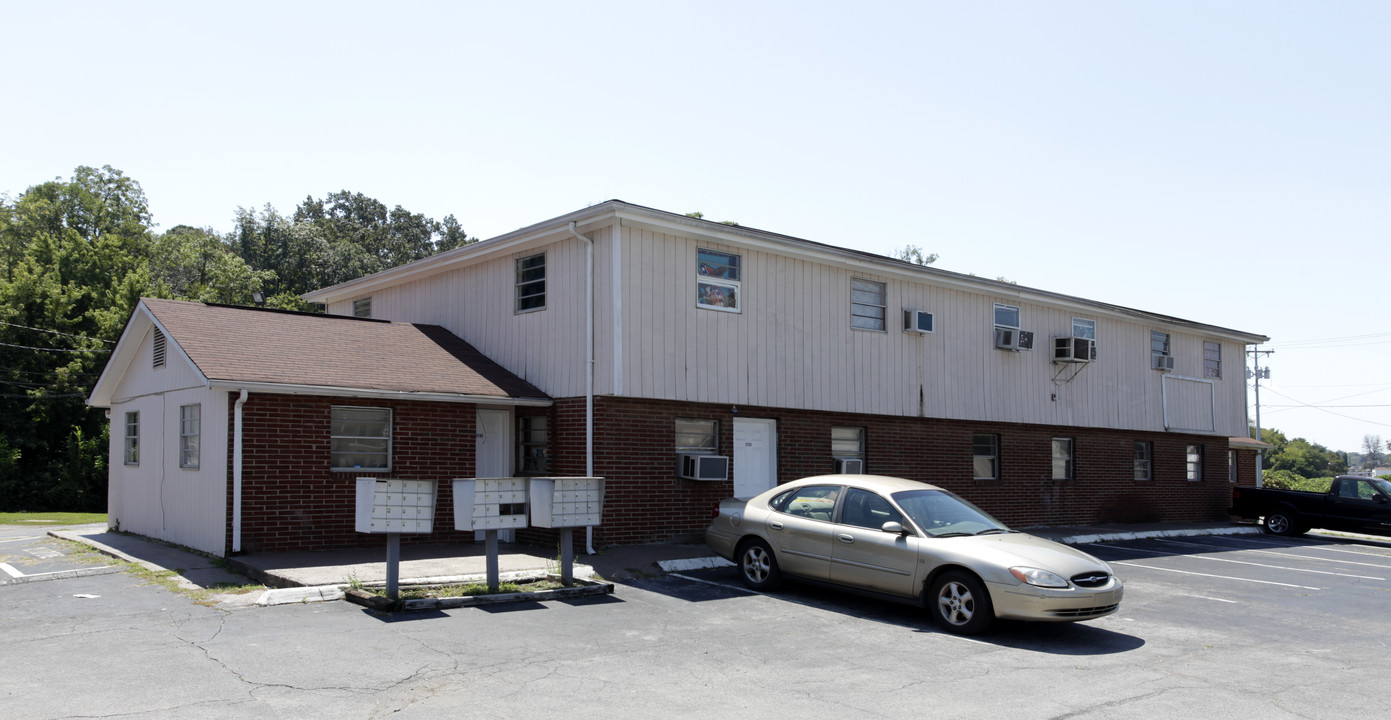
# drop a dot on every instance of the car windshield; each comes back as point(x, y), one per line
point(942, 514)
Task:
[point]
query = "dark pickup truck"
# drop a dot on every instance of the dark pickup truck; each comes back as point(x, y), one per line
point(1353, 504)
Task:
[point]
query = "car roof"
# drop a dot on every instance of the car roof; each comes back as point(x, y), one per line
point(881, 483)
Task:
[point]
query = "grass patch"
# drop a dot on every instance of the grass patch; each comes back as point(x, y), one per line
point(51, 518)
point(167, 579)
point(470, 590)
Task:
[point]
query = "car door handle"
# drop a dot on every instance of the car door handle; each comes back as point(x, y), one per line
point(846, 538)
point(775, 524)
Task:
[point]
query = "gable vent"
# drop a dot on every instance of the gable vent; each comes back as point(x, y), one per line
point(159, 349)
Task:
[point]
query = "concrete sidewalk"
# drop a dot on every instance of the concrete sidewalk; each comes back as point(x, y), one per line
point(321, 575)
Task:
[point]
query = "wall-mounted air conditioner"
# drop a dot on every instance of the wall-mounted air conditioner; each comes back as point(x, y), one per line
point(1163, 363)
point(850, 466)
point(1073, 350)
point(702, 467)
point(1006, 338)
point(917, 321)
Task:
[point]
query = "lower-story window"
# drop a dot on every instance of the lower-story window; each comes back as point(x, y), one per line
point(532, 436)
point(189, 431)
point(1144, 461)
point(1062, 458)
point(986, 451)
point(1195, 463)
point(360, 438)
point(1232, 475)
point(132, 438)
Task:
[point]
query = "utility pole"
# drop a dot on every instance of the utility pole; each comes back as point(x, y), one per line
point(1258, 373)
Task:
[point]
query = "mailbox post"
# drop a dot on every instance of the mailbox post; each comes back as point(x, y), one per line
point(490, 504)
point(392, 506)
point(565, 504)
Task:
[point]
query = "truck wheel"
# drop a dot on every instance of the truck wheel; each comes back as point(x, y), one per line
point(1282, 522)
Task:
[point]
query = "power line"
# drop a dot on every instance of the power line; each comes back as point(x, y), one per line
point(30, 347)
point(55, 332)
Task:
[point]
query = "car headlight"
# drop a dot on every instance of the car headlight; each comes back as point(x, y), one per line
point(1037, 577)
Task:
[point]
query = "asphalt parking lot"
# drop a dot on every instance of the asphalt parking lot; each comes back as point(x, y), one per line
point(1229, 627)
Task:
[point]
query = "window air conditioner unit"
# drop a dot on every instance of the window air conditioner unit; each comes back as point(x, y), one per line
point(1163, 362)
point(1073, 350)
point(917, 321)
point(702, 467)
point(850, 466)
point(1006, 338)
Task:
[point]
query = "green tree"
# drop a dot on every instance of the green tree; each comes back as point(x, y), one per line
point(192, 264)
point(1300, 457)
point(76, 261)
point(915, 255)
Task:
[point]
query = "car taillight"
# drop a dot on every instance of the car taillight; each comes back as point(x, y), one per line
point(715, 511)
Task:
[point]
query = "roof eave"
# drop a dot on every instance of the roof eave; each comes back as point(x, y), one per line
point(378, 394)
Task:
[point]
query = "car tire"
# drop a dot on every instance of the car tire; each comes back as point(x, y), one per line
point(758, 568)
point(960, 604)
point(1282, 522)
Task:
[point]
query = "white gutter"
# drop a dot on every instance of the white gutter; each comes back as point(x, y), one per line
point(237, 473)
point(589, 369)
point(296, 389)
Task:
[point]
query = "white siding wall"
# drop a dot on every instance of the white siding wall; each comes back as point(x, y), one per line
point(545, 347)
point(792, 346)
point(157, 498)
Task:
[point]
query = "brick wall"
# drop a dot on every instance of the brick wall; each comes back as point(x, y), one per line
point(292, 501)
point(645, 502)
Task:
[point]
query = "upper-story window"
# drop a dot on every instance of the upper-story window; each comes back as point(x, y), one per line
point(719, 280)
point(867, 304)
point(1083, 328)
point(1159, 342)
point(362, 307)
point(531, 283)
point(1006, 316)
point(1212, 359)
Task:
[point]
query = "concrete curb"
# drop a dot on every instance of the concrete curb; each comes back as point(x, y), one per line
point(1155, 534)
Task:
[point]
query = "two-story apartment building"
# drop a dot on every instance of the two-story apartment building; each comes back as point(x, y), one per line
point(683, 360)
point(660, 335)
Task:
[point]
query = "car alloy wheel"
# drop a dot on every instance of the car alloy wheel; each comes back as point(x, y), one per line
point(960, 603)
point(757, 566)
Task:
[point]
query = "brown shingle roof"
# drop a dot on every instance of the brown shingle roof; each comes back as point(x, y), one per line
point(253, 345)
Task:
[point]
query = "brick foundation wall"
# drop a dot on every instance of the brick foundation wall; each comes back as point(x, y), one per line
point(291, 499)
point(645, 502)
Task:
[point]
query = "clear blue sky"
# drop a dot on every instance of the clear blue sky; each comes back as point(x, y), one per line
point(1221, 162)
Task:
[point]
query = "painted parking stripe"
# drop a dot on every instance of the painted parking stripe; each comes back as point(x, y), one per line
point(1291, 555)
point(60, 574)
point(1273, 567)
point(1205, 597)
point(11, 571)
point(1220, 577)
point(31, 537)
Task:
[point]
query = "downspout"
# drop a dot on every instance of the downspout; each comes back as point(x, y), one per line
point(589, 369)
point(236, 472)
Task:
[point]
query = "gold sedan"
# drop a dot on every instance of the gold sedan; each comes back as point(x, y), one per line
point(912, 542)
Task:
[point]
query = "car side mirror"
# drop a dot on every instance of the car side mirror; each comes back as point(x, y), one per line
point(893, 527)
point(1379, 499)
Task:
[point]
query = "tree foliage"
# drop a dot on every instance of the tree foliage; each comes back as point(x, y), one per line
point(1299, 457)
point(915, 255)
point(77, 255)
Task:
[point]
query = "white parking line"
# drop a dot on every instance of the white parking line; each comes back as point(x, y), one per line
point(1281, 567)
point(1221, 577)
point(1293, 554)
point(9, 570)
point(1204, 597)
point(31, 537)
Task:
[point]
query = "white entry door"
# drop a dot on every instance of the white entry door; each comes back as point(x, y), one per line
point(493, 453)
point(755, 456)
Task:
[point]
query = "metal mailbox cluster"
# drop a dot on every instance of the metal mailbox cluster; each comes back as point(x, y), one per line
point(393, 505)
point(502, 503)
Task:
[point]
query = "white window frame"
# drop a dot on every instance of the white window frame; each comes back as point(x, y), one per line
point(1156, 335)
point(527, 283)
point(1067, 458)
point(362, 307)
point(687, 429)
point(1143, 460)
point(1212, 366)
point(1232, 464)
point(719, 282)
point(993, 457)
point(848, 443)
point(866, 315)
point(1193, 461)
point(1007, 309)
point(387, 435)
point(132, 439)
point(190, 430)
point(1084, 328)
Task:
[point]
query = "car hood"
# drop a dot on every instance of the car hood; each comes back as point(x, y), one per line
point(1011, 549)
